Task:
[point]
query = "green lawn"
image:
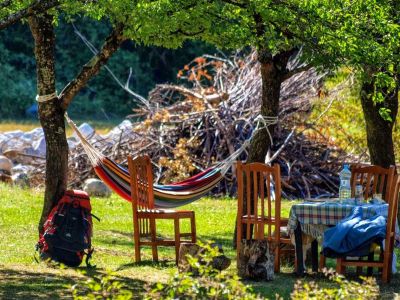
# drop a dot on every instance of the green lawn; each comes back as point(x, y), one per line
point(22, 278)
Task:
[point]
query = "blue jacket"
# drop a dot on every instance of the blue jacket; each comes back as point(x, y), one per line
point(354, 235)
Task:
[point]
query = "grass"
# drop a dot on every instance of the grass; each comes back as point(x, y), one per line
point(22, 278)
point(101, 127)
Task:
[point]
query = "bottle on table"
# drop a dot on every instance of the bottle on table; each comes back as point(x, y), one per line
point(345, 188)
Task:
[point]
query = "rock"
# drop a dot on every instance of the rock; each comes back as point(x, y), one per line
point(220, 262)
point(114, 134)
point(87, 131)
point(39, 147)
point(21, 179)
point(5, 177)
point(96, 187)
point(21, 169)
point(5, 165)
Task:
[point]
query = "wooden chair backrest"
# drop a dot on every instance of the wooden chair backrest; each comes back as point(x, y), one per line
point(373, 179)
point(254, 181)
point(392, 213)
point(141, 183)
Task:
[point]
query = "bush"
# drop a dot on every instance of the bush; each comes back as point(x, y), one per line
point(101, 287)
point(209, 284)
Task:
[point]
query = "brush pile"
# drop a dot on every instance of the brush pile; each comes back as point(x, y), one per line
point(186, 128)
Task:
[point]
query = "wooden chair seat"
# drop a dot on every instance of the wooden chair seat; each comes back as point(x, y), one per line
point(165, 214)
point(256, 219)
point(145, 214)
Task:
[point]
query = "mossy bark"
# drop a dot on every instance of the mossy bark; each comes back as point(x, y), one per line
point(51, 114)
point(379, 131)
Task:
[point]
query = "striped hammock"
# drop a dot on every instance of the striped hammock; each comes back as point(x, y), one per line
point(165, 196)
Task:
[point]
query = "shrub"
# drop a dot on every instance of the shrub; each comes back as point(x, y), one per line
point(101, 287)
point(208, 284)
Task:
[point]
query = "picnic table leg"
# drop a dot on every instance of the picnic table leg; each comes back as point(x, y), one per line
point(314, 255)
point(299, 250)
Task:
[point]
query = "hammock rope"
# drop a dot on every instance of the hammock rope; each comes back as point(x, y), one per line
point(165, 196)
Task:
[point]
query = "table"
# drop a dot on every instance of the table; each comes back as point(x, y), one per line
point(312, 218)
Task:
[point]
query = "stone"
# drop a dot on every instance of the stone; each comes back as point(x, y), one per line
point(21, 180)
point(96, 187)
point(220, 262)
point(5, 165)
point(87, 131)
point(256, 260)
point(21, 169)
point(39, 147)
point(5, 177)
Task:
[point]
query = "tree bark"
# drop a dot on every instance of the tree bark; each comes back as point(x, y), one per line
point(273, 72)
point(51, 114)
point(379, 131)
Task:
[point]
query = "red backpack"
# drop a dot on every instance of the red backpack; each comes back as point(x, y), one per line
point(68, 230)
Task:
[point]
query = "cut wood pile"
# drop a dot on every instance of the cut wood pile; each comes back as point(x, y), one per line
point(186, 128)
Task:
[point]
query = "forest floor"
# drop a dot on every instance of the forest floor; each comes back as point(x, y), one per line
point(23, 278)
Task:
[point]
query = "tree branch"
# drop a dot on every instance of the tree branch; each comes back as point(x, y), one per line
point(92, 67)
point(38, 6)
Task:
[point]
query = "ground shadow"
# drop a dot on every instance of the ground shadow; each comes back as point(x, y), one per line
point(21, 284)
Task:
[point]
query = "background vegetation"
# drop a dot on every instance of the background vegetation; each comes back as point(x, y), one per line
point(102, 97)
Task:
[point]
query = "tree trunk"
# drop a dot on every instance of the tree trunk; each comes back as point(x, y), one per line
point(51, 114)
point(379, 131)
point(273, 72)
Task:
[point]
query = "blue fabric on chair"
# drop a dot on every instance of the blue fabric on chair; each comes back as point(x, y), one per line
point(354, 235)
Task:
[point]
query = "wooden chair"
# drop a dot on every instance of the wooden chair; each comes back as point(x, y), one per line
point(374, 180)
point(386, 255)
point(260, 212)
point(145, 214)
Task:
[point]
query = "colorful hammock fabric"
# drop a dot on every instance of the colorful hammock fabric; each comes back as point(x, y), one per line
point(165, 196)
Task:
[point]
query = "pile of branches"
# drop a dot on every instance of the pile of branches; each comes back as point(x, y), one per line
point(189, 127)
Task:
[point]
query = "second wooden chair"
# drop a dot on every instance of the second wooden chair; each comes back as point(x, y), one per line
point(145, 214)
point(259, 206)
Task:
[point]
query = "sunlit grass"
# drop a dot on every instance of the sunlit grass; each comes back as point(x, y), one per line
point(101, 127)
point(22, 278)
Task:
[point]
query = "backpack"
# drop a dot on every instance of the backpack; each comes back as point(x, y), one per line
point(67, 231)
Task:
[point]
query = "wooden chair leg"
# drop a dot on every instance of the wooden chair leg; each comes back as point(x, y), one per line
point(238, 239)
point(153, 239)
point(277, 260)
point(340, 268)
point(136, 239)
point(177, 239)
point(370, 270)
point(193, 228)
point(322, 262)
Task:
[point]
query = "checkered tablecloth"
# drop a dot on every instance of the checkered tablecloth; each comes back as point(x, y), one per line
point(314, 217)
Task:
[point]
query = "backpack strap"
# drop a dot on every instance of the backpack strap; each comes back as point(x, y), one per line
point(88, 257)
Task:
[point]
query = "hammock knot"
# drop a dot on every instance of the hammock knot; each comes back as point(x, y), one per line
point(265, 122)
point(45, 98)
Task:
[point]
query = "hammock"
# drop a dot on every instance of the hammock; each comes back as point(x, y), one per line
point(165, 196)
